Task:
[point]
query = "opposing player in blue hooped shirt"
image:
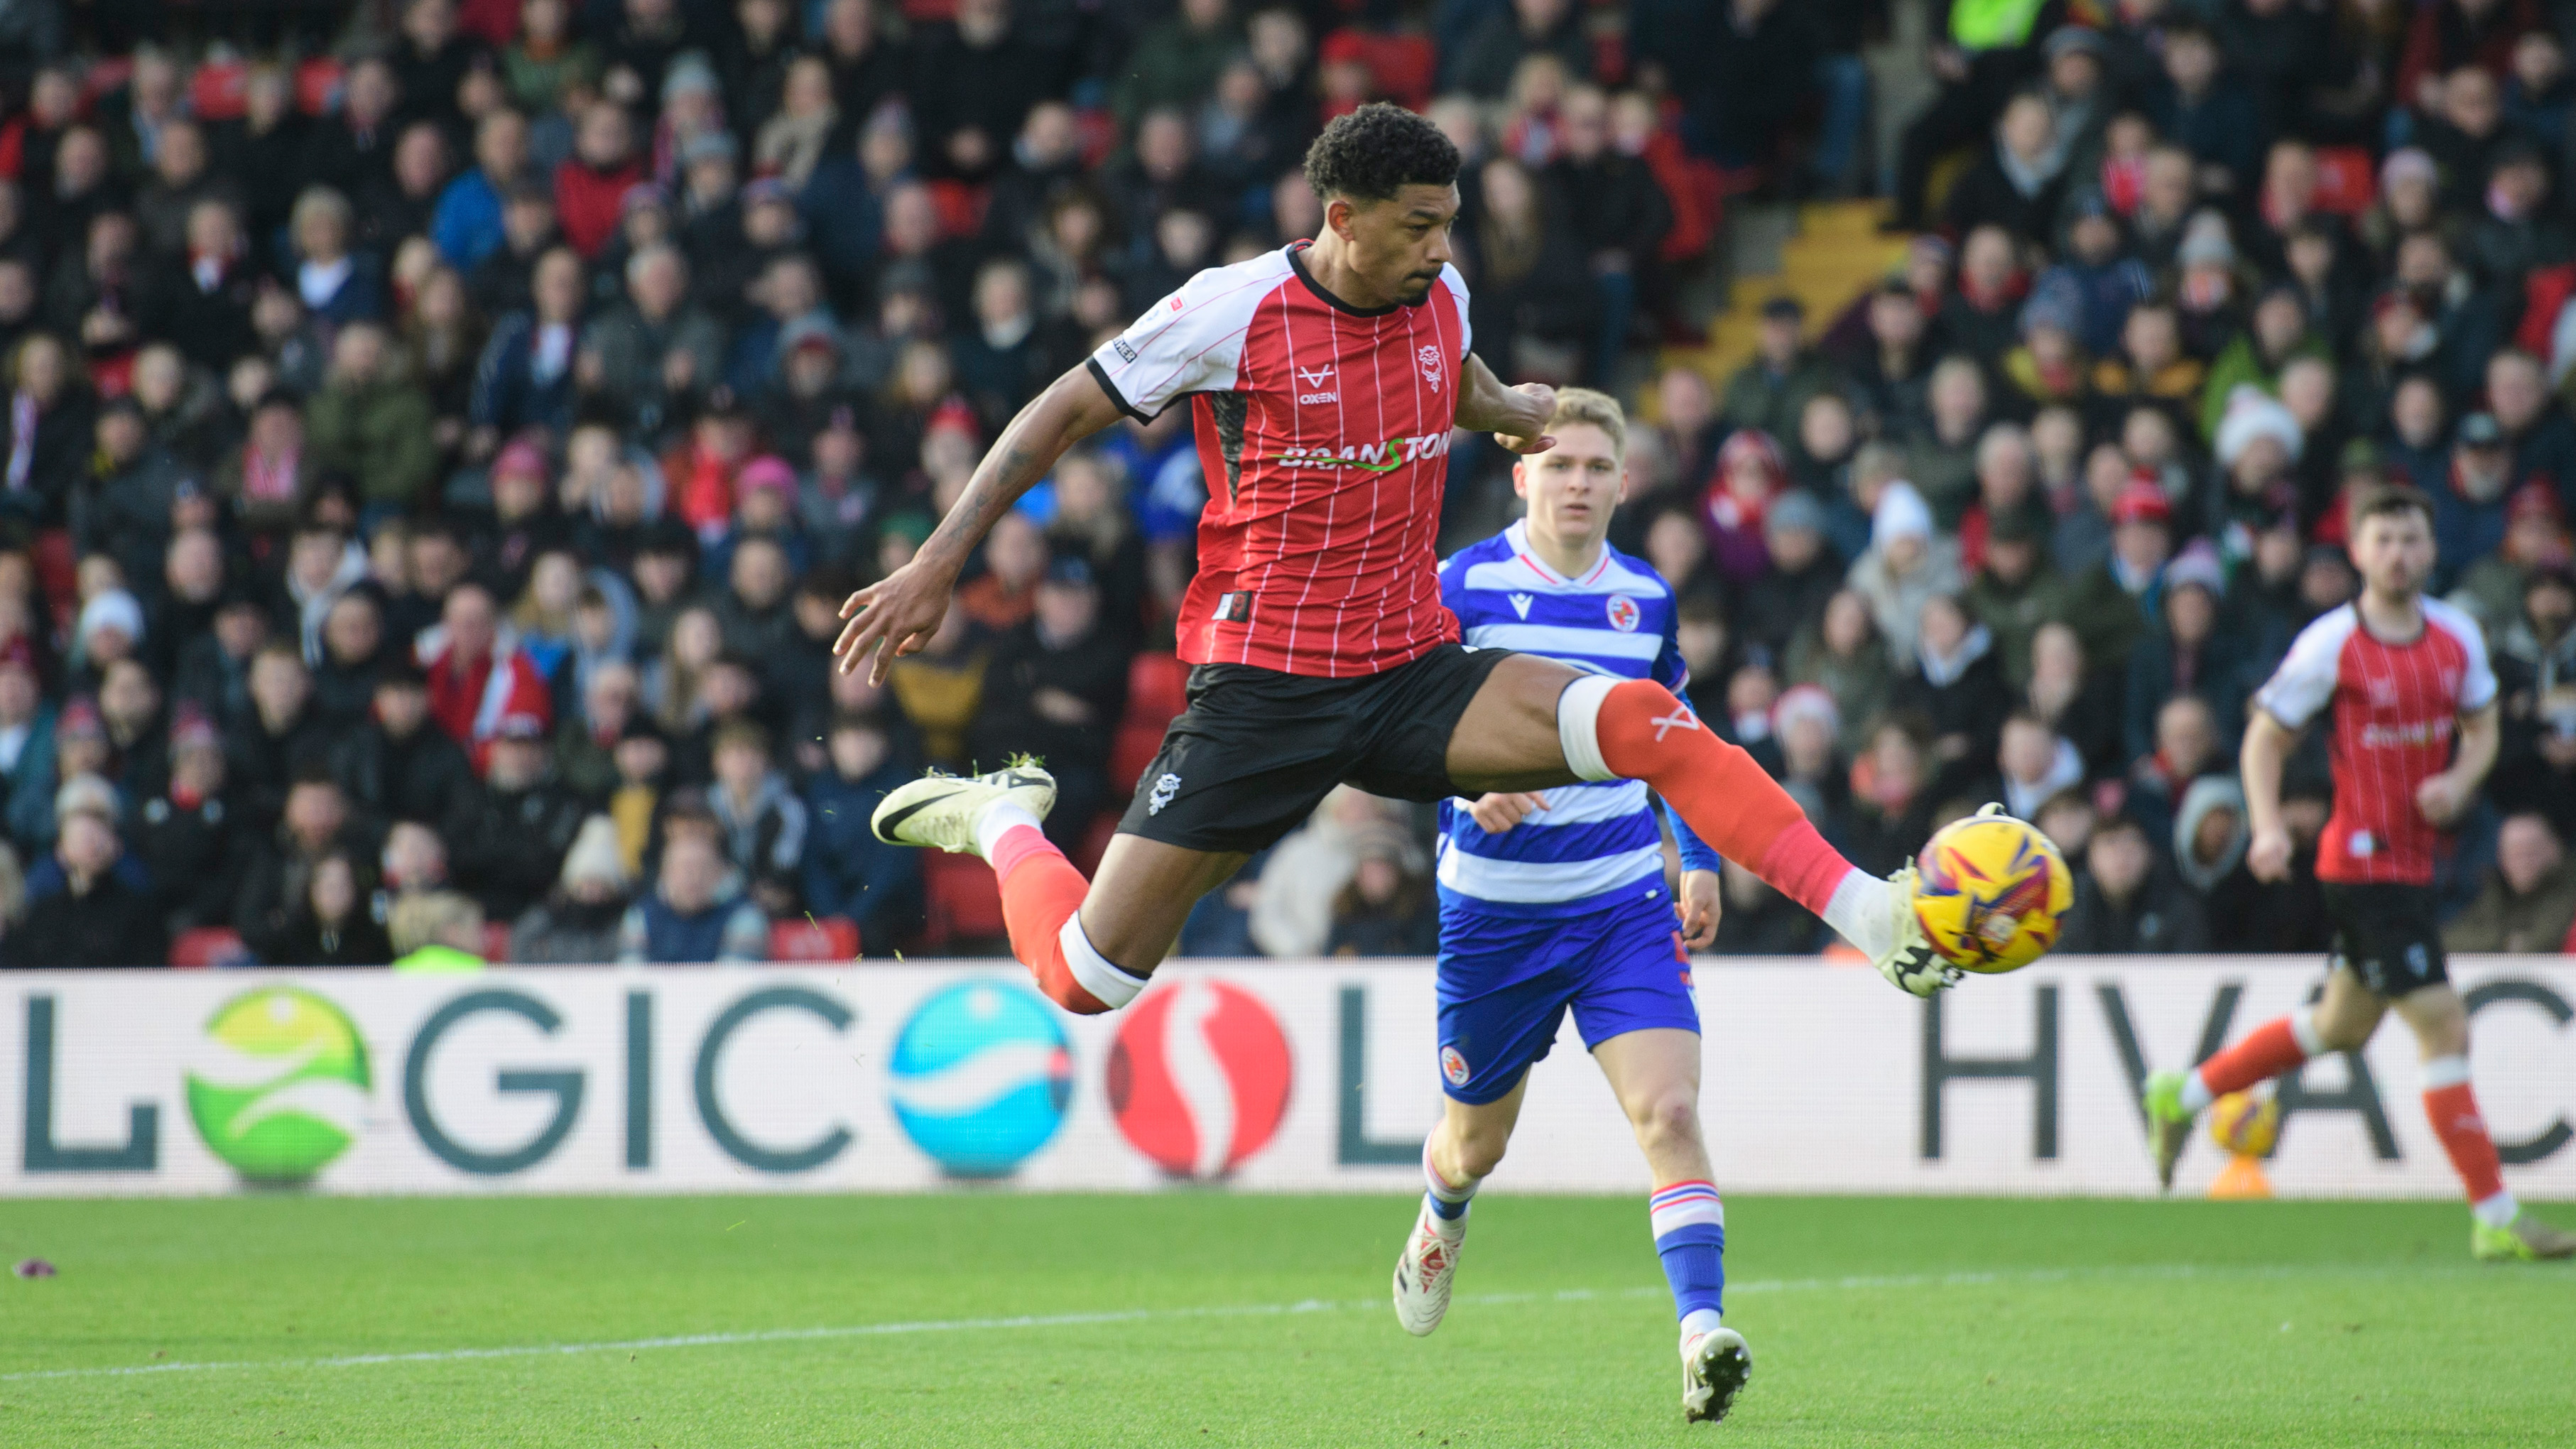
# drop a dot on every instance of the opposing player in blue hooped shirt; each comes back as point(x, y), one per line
point(1557, 901)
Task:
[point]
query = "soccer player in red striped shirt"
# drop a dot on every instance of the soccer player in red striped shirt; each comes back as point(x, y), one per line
point(1325, 380)
point(2413, 708)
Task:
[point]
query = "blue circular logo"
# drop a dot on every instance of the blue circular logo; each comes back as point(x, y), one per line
point(981, 1075)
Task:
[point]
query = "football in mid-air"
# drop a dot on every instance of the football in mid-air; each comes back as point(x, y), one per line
point(2245, 1125)
point(1990, 891)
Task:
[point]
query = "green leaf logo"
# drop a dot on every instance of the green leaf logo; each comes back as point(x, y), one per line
point(280, 1085)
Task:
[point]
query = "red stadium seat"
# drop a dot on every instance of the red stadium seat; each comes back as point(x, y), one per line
point(317, 85)
point(1405, 66)
point(965, 904)
point(1157, 690)
point(1095, 841)
point(106, 76)
point(220, 91)
point(496, 943)
point(2347, 183)
point(961, 207)
point(830, 938)
point(57, 574)
point(209, 946)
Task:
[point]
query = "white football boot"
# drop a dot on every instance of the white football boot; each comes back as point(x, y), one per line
point(1424, 1273)
point(1715, 1365)
point(1909, 962)
point(942, 810)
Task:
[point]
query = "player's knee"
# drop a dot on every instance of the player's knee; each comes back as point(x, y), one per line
point(1665, 1119)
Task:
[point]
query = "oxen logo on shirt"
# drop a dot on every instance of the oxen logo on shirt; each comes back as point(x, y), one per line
point(1317, 390)
point(1624, 614)
point(1430, 358)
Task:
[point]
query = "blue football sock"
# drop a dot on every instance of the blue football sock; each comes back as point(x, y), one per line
point(1690, 1236)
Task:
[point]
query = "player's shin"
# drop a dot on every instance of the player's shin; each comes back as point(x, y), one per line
point(1690, 1237)
point(1637, 730)
point(2452, 1107)
point(1041, 904)
point(1444, 1197)
point(2277, 1046)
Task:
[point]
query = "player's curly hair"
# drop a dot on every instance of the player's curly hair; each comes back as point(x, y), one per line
point(1367, 154)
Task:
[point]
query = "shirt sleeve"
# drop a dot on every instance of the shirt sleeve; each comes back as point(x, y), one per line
point(1695, 852)
point(1457, 286)
point(2478, 681)
point(1191, 341)
point(2306, 678)
point(1671, 671)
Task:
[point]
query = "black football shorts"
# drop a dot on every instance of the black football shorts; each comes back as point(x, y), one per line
point(1257, 749)
point(2387, 935)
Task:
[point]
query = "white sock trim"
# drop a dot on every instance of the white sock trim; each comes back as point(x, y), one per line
point(2196, 1095)
point(2498, 1211)
point(1859, 911)
point(1578, 726)
point(1699, 1321)
point(2440, 1072)
point(999, 818)
point(2303, 1025)
point(1098, 974)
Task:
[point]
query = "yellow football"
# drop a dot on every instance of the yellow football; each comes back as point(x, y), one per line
point(1990, 892)
point(2245, 1124)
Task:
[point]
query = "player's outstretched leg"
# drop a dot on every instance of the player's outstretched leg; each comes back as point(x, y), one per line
point(1638, 730)
point(2173, 1099)
point(1001, 817)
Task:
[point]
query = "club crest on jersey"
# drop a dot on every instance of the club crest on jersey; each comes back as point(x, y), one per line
point(1453, 1066)
point(1624, 614)
point(1520, 604)
point(1430, 359)
point(1316, 390)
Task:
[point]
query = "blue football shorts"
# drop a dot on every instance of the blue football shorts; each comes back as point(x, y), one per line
point(1506, 983)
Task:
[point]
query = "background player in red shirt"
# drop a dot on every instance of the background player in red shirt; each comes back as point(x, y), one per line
point(1325, 379)
point(2406, 678)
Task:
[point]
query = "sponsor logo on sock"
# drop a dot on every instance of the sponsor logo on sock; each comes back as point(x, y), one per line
point(1453, 1066)
point(1164, 789)
point(1680, 718)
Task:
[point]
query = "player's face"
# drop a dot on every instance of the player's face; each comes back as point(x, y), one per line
point(2394, 552)
point(1401, 244)
point(1572, 487)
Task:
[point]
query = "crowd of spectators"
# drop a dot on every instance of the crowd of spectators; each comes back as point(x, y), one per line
point(438, 447)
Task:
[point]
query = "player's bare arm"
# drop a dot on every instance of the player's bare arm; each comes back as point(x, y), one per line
point(898, 614)
point(2445, 797)
point(2268, 743)
point(1516, 416)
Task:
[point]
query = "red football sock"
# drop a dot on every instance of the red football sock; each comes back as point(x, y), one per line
point(1040, 892)
point(2265, 1052)
point(1730, 801)
point(2453, 1111)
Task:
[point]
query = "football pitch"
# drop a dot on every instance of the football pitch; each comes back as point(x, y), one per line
point(1207, 1319)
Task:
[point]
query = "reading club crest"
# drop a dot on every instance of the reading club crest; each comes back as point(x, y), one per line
point(1624, 614)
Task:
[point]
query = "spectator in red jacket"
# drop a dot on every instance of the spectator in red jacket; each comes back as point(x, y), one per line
point(591, 185)
point(477, 678)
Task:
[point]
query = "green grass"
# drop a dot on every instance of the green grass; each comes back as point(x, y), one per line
point(1877, 1321)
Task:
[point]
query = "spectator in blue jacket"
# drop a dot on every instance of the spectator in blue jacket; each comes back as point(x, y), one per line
point(848, 871)
point(467, 224)
point(696, 911)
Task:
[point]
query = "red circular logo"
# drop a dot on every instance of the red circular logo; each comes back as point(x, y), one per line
point(1453, 1066)
point(1199, 1077)
point(1624, 614)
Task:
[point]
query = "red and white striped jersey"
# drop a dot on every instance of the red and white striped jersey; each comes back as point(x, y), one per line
point(2396, 710)
point(1324, 432)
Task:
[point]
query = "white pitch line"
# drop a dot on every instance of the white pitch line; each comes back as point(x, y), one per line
point(1853, 1283)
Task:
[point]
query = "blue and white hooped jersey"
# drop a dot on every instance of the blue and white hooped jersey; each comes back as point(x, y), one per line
point(1594, 845)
